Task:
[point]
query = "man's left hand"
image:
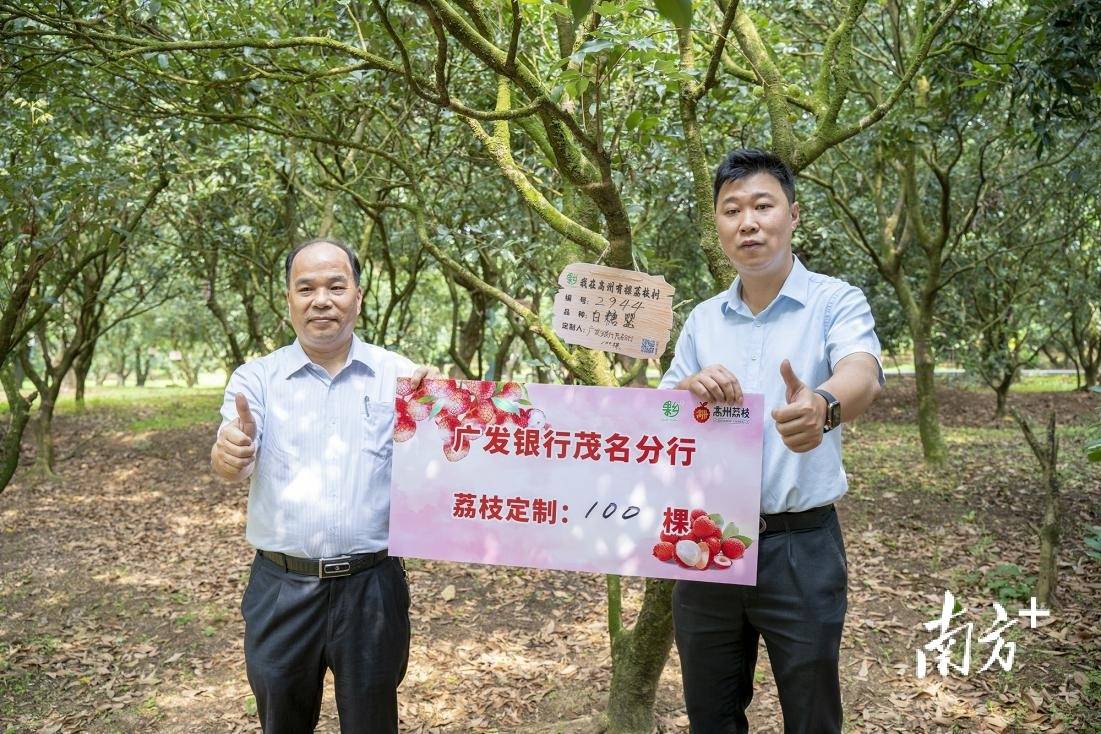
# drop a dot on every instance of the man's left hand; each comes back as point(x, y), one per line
point(424, 372)
point(799, 422)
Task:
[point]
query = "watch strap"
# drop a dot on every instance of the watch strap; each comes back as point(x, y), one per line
point(833, 410)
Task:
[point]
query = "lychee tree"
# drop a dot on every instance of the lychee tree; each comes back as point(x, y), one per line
point(924, 197)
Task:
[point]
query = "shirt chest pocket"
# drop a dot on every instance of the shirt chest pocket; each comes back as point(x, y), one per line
point(377, 439)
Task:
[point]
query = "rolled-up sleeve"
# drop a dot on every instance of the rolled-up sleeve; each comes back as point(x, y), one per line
point(850, 329)
point(246, 379)
point(685, 362)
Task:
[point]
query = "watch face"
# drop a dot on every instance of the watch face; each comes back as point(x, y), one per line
point(835, 414)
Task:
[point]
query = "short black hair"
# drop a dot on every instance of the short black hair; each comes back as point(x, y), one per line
point(749, 161)
point(352, 259)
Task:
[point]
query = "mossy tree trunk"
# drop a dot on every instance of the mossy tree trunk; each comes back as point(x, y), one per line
point(933, 448)
point(19, 413)
point(639, 655)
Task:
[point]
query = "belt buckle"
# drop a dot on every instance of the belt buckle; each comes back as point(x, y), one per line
point(328, 568)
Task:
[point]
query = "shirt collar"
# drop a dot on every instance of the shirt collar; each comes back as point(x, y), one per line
point(796, 287)
point(296, 357)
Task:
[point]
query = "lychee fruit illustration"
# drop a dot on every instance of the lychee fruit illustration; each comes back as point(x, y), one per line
point(453, 453)
point(483, 413)
point(537, 419)
point(696, 513)
point(447, 424)
point(456, 401)
point(663, 551)
point(480, 389)
point(701, 413)
point(440, 388)
point(417, 410)
point(733, 548)
point(705, 556)
point(721, 561)
point(404, 427)
point(688, 552)
point(704, 527)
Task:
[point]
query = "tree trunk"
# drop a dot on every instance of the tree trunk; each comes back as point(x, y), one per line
point(81, 367)
point(141, 368)
point(1091, 374)
point(189, 371)
point(43, 436)
point(1000, 393)
point(932, 443)
point(19, 412)
point(638, 657)
point(470, 337)
point(1047, 453)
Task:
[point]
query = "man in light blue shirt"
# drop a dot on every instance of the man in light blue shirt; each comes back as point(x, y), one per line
point(807, 342)
point(312, 425)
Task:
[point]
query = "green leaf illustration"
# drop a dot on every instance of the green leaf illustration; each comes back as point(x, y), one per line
point(506, 405)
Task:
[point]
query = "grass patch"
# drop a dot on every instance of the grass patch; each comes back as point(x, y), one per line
point(183, 412)
point(1045, 383)
point(146, 408)
point(129, 399)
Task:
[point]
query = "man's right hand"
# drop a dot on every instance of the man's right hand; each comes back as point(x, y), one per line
point(233, 456)
point(714, 382)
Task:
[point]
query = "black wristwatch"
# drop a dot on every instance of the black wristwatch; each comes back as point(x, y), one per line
point(833, 411)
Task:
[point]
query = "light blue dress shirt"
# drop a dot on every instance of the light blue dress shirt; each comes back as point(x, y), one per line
point(815, 321)
point(321, 486)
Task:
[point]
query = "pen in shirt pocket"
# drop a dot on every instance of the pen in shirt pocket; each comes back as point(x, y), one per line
point(367, 406)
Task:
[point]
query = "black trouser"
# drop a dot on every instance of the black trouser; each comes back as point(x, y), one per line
point(297, 626)
point(798, 606)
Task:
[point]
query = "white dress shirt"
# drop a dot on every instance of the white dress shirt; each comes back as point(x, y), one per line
point(815, 321)
point(321, 486)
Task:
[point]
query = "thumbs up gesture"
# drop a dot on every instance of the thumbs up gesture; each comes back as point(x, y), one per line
point(800, 422)
point(233, 455)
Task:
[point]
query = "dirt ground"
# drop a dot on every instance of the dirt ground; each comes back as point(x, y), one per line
point(121, 579)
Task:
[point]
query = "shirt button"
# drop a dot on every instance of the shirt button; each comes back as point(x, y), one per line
point(754, 357)
point(757, 324)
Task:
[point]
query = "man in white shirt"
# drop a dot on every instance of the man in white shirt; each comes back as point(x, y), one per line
point(807, 342)
point(312, 425)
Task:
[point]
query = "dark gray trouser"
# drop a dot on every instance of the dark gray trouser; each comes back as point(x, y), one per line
point(297, 626)
point(798, 606)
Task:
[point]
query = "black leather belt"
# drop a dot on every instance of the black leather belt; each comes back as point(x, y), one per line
point(783, 522)
point(326, 568)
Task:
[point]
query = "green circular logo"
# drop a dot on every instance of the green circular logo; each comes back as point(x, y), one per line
point(571, 278)
point(670, 409)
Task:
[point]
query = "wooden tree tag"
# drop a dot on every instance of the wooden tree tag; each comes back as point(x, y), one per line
point(621, 311)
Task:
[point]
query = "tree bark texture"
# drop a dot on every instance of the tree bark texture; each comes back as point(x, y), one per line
point(19, 412)
point(638, 657)
point(43, 436)
point(932, 442)
point(82, 365)
point(1047, 454)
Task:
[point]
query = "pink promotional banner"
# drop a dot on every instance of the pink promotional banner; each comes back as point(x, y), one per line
point(627, 481)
